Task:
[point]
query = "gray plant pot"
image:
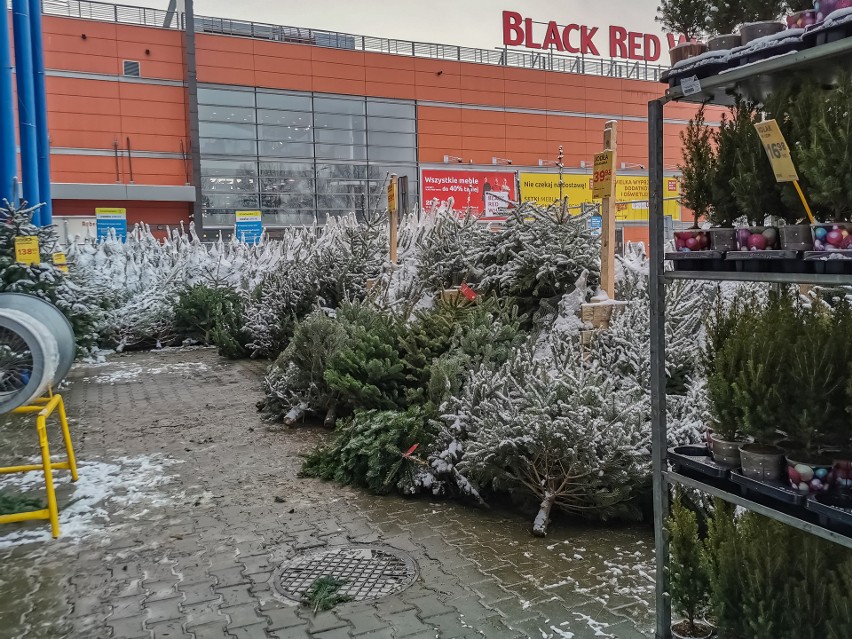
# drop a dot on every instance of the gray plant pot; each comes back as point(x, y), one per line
point(723, 239)
point(725, 452)
point(755, 30)
point(724, 42)
point(762, 462)
point(796, 237)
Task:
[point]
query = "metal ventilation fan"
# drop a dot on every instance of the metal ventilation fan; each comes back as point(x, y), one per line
point(36, 348)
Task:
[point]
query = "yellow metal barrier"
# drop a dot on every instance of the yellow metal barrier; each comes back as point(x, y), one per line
point(44, 408)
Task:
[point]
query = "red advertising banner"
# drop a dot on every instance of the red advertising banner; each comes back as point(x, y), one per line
point(484, 193)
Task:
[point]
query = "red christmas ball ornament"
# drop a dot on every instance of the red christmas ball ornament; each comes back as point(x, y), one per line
point(756, 242)
point(846, 244)
point(704, 240)
point(692, 244)
point(835, 238)
point(794, 476)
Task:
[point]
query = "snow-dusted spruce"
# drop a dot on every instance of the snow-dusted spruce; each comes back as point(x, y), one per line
point(624, 350)
point(295, 383)
point(537, 256)
point(43, 279)
point(560, 431)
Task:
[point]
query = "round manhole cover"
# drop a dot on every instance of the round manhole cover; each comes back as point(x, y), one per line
point(367, 572)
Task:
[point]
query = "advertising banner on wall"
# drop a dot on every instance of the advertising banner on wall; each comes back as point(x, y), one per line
point(110, 220)
point(484, 193)
point(632, 193)
point(249, 226)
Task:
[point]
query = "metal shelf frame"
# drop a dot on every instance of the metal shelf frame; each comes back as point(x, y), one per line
point(816, 279)
point(754, 81)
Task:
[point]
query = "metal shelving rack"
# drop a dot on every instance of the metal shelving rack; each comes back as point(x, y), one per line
point(754, 81)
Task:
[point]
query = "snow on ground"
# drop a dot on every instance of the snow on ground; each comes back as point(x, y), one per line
point(130, 487)
point(127, 372)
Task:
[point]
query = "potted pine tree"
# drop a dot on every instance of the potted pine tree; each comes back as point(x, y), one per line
point(754, 188)
point(725, 210)
point(685, 18)
point(760, 18)
point(721, 362)
point(792, 106)
point(697, 168)
point(827, 164)
point(688, 582)
point(815, 414)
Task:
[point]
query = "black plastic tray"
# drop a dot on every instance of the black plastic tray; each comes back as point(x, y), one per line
point(701, 71)
point(827, 506)
point(831, 266)
point(819, 34)
point(699, 261)
point(771, 261)
point(697, 458)
point(775, 490)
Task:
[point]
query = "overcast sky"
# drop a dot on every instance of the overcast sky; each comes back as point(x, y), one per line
point(475, 23)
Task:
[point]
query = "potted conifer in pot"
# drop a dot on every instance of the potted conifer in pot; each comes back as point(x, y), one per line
point(685, 18)
point(760, 18)
point(792, 107)
point(827, 165)
point(688, 579)
point(815, 414)
point(697, 168)
point(725, 210)
point(755, 189)
point(762, 344)
point(723, 358)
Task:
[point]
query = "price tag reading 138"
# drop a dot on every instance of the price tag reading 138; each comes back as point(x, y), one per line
point(777, 151)
point(26, 249)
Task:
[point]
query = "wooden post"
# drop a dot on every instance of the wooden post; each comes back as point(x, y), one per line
point(608, 215)
point(392, 216)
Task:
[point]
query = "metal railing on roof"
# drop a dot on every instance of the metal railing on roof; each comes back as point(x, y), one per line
point(544, 60)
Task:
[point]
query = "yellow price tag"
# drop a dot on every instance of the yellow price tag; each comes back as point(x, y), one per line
point(26, 250)
point(392, 197)
point(777, 151)
point(60, 261)
point(602, 177)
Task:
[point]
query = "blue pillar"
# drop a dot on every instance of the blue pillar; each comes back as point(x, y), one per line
point(8, 154)
point(26, 103)
point(40, 93)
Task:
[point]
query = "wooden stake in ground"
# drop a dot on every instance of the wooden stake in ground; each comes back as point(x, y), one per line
point(608, 214)
point(392, 215)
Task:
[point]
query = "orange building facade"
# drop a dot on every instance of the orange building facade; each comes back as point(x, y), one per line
point(304, 126)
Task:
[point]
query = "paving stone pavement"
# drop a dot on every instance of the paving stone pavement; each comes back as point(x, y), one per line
point(189, 551)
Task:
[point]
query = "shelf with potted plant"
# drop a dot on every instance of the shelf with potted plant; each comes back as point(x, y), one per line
point(822, 64)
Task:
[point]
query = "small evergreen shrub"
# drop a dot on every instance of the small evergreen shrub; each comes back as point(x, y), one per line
point(297, 377)
point(211, 315)
point(688, 582)
point(370, 448)
point(367, 371)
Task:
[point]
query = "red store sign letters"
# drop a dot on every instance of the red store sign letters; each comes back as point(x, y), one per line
point(577, 38)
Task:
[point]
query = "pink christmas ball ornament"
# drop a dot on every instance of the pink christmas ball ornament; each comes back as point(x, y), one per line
point(757, 242)
point(795, 477)
point(692, 244)
point(834, 238)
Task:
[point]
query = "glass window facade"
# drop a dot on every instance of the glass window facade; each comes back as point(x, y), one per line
point(299, 157)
